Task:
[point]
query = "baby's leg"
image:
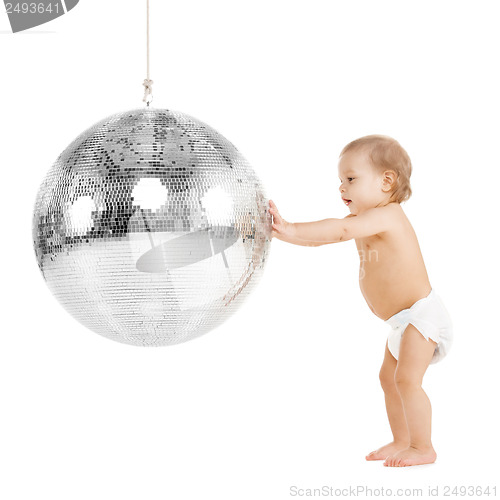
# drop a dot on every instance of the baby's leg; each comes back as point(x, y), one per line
point(415, 354)
point(395, 412)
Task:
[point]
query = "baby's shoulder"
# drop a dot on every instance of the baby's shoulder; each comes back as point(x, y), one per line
point(393, 213)
point(388, 219)
point(393, 208)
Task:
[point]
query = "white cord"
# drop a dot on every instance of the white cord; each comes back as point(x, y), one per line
point(148, 84)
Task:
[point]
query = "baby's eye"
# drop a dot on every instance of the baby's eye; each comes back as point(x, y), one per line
point(350, 179)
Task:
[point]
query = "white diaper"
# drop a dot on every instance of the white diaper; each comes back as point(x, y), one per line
point(430, 317)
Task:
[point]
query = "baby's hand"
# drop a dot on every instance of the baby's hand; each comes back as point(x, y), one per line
point(280, 226)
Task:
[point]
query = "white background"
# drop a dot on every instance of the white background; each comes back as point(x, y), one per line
point(286, 392)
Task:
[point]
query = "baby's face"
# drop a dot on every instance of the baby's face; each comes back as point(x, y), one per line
point(361, 183)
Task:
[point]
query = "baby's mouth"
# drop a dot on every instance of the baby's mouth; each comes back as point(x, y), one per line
point(347, 202)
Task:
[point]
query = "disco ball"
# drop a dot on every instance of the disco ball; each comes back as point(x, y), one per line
point(151, 228)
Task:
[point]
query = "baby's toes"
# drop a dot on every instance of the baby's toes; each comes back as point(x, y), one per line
point(391, 461)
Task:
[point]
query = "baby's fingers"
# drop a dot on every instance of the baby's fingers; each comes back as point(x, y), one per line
point(276, 218)
point(273, 206)
point(273, 210)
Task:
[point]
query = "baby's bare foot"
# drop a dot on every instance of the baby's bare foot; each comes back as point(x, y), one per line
point(411, 456)
point(386, 451)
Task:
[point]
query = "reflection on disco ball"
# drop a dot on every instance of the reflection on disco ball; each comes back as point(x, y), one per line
point(151, 228)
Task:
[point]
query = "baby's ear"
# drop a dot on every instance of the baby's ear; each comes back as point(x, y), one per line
point(390, 179)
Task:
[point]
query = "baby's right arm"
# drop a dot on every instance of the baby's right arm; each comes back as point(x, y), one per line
point(373, 221)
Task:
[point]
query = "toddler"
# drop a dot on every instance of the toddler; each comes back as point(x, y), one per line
point(374, 173)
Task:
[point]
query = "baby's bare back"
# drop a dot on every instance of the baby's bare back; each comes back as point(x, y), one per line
point(392, 273)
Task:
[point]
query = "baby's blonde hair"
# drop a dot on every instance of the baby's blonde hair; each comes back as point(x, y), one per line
point(386, 153)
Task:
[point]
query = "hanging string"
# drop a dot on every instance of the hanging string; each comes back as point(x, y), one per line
point(148, 84)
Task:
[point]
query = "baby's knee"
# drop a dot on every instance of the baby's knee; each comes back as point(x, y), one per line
point(406, 380)
point(387, 380)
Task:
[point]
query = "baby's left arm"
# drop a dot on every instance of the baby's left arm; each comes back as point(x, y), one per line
point(373, 221)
